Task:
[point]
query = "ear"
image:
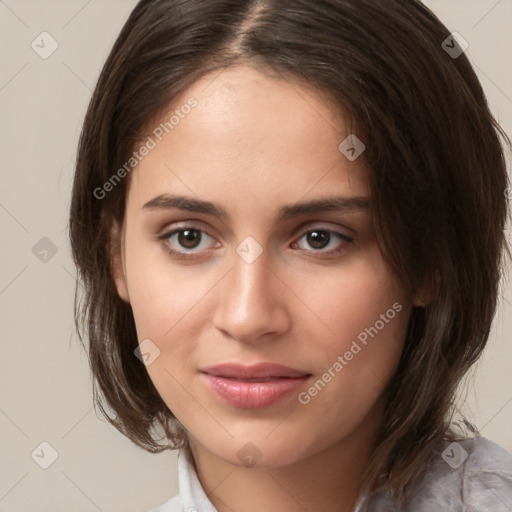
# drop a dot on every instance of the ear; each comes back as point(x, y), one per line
point(420, 300)
point(117, 260)
point(428, 291)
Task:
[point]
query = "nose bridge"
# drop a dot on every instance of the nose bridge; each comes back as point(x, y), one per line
point(251, 304)
point(252, 281)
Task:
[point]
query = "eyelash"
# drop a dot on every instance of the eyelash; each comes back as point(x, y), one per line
point(164, 238)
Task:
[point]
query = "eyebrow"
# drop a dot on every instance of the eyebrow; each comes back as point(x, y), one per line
point(338, 204)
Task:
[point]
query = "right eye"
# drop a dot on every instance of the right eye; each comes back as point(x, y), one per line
point(185, 240)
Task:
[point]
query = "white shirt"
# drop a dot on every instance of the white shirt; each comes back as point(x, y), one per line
point(474, 475)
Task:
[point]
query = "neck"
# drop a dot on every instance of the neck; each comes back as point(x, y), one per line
point(327, 480)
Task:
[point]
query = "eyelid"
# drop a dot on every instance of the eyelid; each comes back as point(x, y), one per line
point(324, 226)
point(330, 227)
point(183, 225)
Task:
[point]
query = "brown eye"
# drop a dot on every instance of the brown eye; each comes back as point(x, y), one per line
point(189, 238)
point(186, 240)
point(318, 239)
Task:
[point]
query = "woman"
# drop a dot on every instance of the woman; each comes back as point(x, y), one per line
point(291, 246)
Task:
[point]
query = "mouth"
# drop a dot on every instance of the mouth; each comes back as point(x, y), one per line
point(257, 379)
point(253, 387)
point(256, 372)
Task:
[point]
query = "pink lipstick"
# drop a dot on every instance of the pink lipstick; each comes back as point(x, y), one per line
point(255, 386)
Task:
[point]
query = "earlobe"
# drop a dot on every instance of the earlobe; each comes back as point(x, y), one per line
point(420, 298)
point(116, 260)
point(428, 291)
point(419, 302)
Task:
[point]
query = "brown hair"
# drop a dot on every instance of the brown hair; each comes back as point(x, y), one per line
point(438, 198)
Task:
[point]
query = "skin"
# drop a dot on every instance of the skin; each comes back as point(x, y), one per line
point(253, 144)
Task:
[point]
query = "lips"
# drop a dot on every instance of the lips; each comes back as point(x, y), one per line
point(255, 386)
point(256, 371)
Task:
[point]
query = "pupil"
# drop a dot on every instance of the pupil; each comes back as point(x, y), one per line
point(318, 239)
point(188, 238)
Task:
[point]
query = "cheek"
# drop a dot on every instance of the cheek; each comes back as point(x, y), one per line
point(163, 295)
point(366, 312)
point(354, 301)
point(166, 301)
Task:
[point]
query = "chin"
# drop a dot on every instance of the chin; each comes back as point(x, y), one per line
point(260, 452)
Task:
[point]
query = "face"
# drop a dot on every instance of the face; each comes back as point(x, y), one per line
point(248, 243)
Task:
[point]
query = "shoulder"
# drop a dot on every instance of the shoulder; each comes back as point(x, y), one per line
point(473, 475)
point(487, 476)
point(173, 504)
point(470, 475)
point(484, 452)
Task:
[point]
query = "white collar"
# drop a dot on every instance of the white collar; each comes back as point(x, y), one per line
point(191, 491)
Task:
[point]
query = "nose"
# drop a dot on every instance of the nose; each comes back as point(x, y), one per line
point(252, 302)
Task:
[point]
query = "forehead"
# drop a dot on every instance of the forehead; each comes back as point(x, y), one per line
point(249, 134)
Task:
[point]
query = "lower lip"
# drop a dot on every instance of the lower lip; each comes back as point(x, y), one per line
point(254, 395)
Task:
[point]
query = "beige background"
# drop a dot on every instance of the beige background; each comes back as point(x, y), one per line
point(45, 384)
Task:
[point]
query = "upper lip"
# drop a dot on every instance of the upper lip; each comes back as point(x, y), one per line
point(254, 371)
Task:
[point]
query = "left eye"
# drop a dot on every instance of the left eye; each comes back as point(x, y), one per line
point(320, 239)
